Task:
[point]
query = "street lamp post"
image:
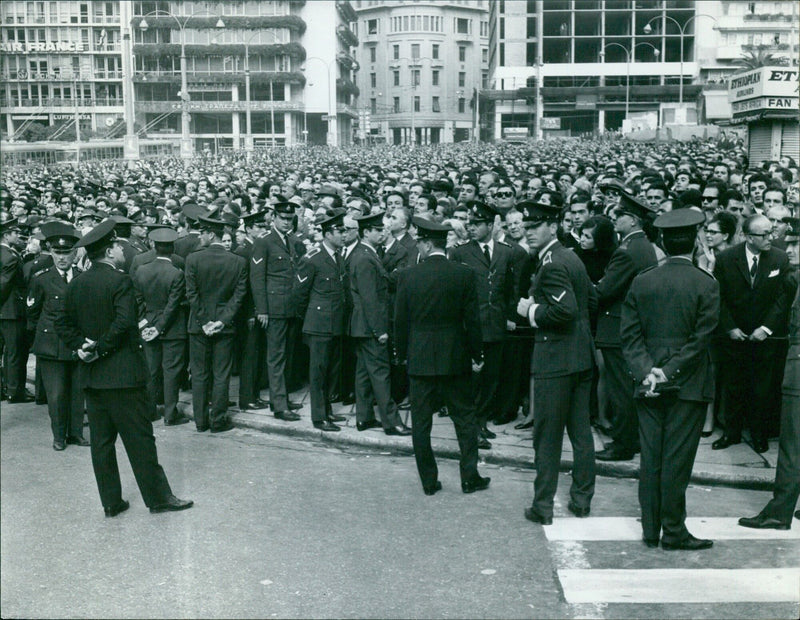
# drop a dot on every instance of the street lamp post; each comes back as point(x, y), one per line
point(248, 141)
point(682, 29)
point(186, 142)
point(656, 53)
point(331, 113)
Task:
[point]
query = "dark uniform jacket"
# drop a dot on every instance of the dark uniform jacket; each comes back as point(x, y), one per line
point(319, 293)
point(216, 283)
point(273, 266)
point(766, 302)
point(369, 287)
point(410, 244)
point(395, 259)
point(100, 305)
point(45, 301)
point(161, 288)
point(12, 285)
point(150, 256)
point(634, 254)
point(187, 244)
point(668, 318)
point(130, 249)
point(436, 318)
point(791, 375)
point(564, 298)
point(245, 250)
point(494, 284)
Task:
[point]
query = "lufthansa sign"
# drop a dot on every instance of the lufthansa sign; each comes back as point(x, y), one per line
point(15, 47)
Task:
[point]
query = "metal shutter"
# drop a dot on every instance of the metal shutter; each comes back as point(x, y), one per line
point(790, 140)
point(760, 136)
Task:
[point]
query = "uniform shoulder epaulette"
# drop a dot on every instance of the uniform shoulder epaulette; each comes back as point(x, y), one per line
point(41, 271)
point(312, 252)
point(508, 245)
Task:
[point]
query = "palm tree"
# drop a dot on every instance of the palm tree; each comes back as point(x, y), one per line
point(760, 58)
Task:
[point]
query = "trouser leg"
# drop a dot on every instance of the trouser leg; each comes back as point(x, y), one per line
point(172, 363)
point(103, 448)
point(277, 345)
point(619, 383)
point(422, 396)
point(580, 436)
point(651, 433)
point(198, 353)
point(221, 364)
point(55, 376)
point(457, 394)
point(552, 408)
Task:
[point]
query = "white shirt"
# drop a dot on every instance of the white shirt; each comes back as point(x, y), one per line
point(490, 245)
point(750, 258)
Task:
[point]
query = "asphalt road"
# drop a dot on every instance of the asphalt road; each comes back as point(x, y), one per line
point(286, 528)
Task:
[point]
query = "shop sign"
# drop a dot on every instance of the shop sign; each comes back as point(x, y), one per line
point(32, 47)
point(764, 82)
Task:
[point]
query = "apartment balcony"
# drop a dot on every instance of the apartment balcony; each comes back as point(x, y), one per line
point(162, 107)
point(60, 102)
point(220, 77)
point(252, 22)
point(267, 50)
point(347, 110)
point(347, 36)
point(346, 11)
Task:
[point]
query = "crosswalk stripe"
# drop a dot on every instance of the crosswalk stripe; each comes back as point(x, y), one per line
point(629, 528)
point(704, 585)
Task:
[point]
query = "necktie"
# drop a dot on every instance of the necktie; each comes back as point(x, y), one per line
point(754, 269)
point(486, 253)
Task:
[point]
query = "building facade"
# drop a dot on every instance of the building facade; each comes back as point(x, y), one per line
point(60, 62)
point(422, 65)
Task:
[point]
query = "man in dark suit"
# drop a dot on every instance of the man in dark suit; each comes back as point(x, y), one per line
point(777, 514)
point(369, 325)
point(492, 263)
point(99, 323)
point(320, 298)
point(561, 300)
point(394, 259)
point(273, 267)
point(668, 318)
point(634, 254)
point(216, 283)
point(130, 246)
point(754, 319)
point(348, 351)
point(438, 335)
point(12, 313)
point(58, 367)
point(161, 289)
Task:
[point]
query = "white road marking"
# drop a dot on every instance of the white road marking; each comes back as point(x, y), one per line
point(702, 585)
point(629, 528)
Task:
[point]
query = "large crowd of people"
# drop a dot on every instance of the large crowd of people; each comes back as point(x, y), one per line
point(298, 265)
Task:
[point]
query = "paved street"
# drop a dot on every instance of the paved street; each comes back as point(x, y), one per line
point(285, 527)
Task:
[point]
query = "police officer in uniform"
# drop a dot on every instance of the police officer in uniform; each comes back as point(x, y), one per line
point(58, 365)
point(492, 263)
point(12, 313)
point(105, 336)
point(131, 247)
point(634, 254)
point(369, 325)
point(273, 267)
point(668, 318)
point(216, 283)
point(319, 293)
point(561, 300)
point(161, 288)
point(438, 335)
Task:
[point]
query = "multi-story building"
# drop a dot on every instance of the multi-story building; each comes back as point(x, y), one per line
point(592, 64)
point(60, 61)
point(256, 73)
point(421, 66)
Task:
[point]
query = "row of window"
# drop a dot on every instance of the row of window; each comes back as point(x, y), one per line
point(96, 39)
point(758, 38)
point(423, 23)
point(212, 64)
point(416, 50)
point(41, 93)
point(416, 78)
point(62, 12)
point(54, 67)
point(416, 104)
point(254, 8)
point(214, 36)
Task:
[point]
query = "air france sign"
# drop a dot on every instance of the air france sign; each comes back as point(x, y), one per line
point(32, 47)
point(765, 88)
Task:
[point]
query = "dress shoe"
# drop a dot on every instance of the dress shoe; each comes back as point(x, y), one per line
point(763, 522)
point(522, 426)
point(689, 543)
point(723, 442)
point(532, 515)
point(761, 446)
point(349, 400)
point(78, 441)
point(334, 398)
point(327, 425)
point(443, 412)
point(577, 510)
point(484, 444)
point(21, 398)
point(614, 453)
point(431, 490)
point(797, 514)
point(59, 445)
point(363, 426)
point(225, 426)
point(706, 433)
point(40, 400)
point(181, 419)
point(113, 511)
point(203, 429)
point(487, 434)
point(173, 504)
point(652, 543)
point(400, 429)
point(287, 416)
point(478, 484)
point(294, 406)
point(334, 417)
point(254, 406)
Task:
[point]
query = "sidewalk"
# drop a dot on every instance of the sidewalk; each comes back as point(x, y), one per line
point(737, 466)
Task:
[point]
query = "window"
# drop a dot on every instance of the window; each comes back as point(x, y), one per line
point(484, 29)
point(373, 80)
point(396, 52)
point(502, 27)
point(484, 80)
point(416, 103)
point(396, 105)
point(373, 54)
point(415, 77)
point(435, 77)
point(373, 106)
point(484, 55)
point(435, 51)
point(462, 105)
point(462, 79)
point(396, 74)
point(415, 51)
point(435, 104)
point(462, 53)
point(372, 26)
point(462, 25)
